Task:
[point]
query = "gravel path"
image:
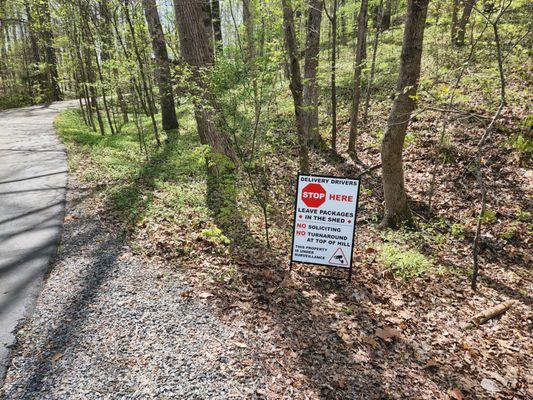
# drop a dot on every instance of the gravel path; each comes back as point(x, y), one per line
point(109, 327)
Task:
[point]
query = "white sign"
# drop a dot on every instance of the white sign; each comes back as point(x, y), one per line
point(324, 220)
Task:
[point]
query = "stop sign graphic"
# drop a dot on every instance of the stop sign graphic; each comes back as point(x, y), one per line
point(313, 195)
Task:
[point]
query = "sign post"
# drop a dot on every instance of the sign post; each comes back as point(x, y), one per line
point(324, 221)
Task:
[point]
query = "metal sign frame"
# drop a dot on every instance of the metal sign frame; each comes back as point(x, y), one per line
point(350, 264)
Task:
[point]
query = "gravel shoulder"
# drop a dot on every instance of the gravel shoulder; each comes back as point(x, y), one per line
point(108, 326)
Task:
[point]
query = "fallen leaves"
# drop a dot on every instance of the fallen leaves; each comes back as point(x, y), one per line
point(455, 394)
point(490, 386)
point(388, 333)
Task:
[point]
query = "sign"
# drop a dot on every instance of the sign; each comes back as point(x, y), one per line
point(324, 220)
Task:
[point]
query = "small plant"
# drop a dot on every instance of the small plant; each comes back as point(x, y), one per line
point(366, 191)
point(522, 144)
point(214, 235)
point(407, 264)
point(458, 230)
point(523, 216)
point(488, 216)
point(510, 232)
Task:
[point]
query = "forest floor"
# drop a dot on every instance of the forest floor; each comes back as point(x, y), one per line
point(395, 331)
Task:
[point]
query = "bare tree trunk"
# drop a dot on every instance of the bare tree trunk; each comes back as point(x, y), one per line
point(465, 17)
point(372, 72)
point(45, 22)
point(208, 23)
point(360, 57)
point(310, 90)
point(144, 78)
point(342, 35)
point(162, 72)
point(333, 20)
point(197, 54)
point(488, 130)
point(386, 16)
point(455, 19)
point(34, 45)
point(217, 26)
point(295, 82)
point(397, 210)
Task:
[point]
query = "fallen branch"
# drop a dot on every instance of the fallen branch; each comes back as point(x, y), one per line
point(489, 313)
point(369, 169)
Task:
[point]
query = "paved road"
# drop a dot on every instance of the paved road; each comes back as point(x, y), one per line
point(33, 178)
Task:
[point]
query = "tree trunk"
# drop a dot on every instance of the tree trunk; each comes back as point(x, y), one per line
point(397, 210)
point(386, 17)
point(197, 54)
point(45, 22)
point(162, 72)
point(144, 78)
point(208, 23)
point(295, 79)
point(360, 57)
point(310, 90)
point(333, 20)
point(455, 18)
point(217, 25)
point(372, 71)
point(34, 46)
point(461, 27)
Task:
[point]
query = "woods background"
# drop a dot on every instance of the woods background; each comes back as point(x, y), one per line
point(196, 115)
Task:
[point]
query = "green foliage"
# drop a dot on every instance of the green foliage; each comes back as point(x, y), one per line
point(488, 216)
point(215, 235)
point(510, 231)
point(168, 185)
point(458, 230)
point(521, 143)
point(523, 215)
point(407, 264)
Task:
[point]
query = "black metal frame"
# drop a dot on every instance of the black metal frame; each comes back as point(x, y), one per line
point(350, 267)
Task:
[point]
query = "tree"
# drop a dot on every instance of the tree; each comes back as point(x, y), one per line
point(217, 26)
point(333, 19)
point(162, 72)
point(397, 209)
point(360, 57)
point(198, 56)
point(47, 36)
point(460, 31)
point(311, 55)
point(295, 82)
point(371, 73)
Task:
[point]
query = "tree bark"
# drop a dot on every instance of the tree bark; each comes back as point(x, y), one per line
point(397, 210)
point(455, 20)
point(295, 79)
point(217, 26)
point(162, 72)
point(208, 23)
point(310, 90)
point(333, 20)
point(360, 57)
point(465, 17)
point(386, 17)
point(197, 54)
point(45, 22)
point(372, 71)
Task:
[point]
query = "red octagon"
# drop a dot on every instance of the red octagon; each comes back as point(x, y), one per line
point(313, 195)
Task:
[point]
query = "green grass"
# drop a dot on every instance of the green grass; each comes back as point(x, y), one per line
point(167, 184)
